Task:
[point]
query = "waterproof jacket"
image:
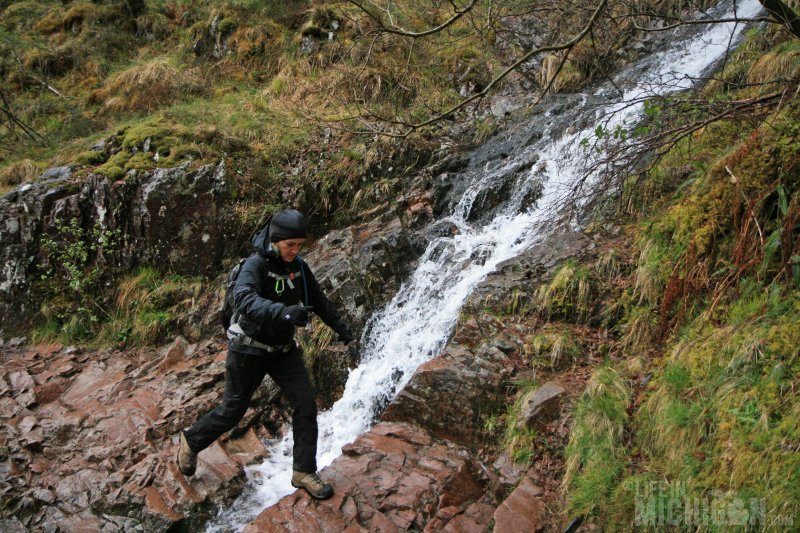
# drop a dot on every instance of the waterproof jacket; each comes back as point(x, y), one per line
point(261, 299)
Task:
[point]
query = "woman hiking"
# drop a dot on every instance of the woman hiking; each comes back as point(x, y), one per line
point(274, 292)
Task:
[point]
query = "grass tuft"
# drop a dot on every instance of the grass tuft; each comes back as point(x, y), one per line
point(554, 348)
point(567, 295)
point(149, 86)
point(596, 454)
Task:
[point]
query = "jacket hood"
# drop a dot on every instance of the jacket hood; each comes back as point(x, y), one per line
point(261, 242)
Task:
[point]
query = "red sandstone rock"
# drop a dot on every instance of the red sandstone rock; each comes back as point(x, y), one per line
point(523, 511)
point(392, 478)
point(93, 432)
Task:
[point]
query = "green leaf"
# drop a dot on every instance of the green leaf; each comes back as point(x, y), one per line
point(783, 201)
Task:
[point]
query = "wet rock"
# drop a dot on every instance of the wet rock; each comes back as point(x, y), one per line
point(20, 381)
point(99, 453)
point(171, 216)
point(361, 267)
point(12, 525)
point(509, 472)
point(473, 519)
point(174, 353)
point(449, 395)
point(520, 276)
point(56, 173)
point(16, 342)
point(393, 477)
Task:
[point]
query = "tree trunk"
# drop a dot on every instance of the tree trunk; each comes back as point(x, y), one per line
point(783, 14)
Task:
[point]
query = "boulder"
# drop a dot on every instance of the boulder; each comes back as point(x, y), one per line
point(450, 394)
point(541, 405)
point(361, 267)
point(523, 511)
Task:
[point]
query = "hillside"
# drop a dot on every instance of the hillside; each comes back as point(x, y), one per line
point(143, 142)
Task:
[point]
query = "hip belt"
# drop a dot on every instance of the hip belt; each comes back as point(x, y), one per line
point(237, 336)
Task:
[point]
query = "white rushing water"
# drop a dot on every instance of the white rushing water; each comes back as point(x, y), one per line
point(415, 325)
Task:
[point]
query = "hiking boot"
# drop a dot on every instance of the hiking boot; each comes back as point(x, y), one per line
point(312, 483)
point(187, 459)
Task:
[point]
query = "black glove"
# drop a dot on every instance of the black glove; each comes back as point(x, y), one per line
point(297, 314)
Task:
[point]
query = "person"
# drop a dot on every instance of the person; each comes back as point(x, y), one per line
point(274, 292)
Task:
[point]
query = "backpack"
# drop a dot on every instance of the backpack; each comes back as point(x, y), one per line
point(228, 306)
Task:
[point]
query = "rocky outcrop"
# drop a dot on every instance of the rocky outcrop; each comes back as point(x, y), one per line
point(174, 217)
point(361, 267)
point(88, 439)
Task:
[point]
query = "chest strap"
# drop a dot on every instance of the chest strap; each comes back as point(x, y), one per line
point(282, 281)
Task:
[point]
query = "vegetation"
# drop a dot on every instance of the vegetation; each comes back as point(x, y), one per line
point(690, 422)
point(143, 309)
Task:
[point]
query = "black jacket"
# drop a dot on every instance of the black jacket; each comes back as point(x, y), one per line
point(261, 306)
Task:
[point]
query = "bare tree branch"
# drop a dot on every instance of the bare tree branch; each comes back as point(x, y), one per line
point(12, 121)
point(412, 127)
point(412, 34)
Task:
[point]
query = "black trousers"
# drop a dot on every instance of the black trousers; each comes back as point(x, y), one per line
point(243, 374)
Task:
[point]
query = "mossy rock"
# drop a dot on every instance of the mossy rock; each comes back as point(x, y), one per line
point(160, 136)
point(227, 25)
point(91, 157)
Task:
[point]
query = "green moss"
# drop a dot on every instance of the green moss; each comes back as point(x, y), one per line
point(91, 157)
point(140, 161)
point(112, 172)
point(227, 25)
point(719, 411)
point(161, 136)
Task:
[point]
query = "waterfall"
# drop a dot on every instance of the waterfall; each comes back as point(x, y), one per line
point(416, 324)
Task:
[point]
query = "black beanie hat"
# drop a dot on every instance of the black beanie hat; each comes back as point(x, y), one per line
point(287, 224)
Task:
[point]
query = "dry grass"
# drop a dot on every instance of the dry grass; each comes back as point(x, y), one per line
point(149, 86)
point(775, 65)
point(17, 173)
point(567, 295)
point(554, 348)
point(647, 283)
